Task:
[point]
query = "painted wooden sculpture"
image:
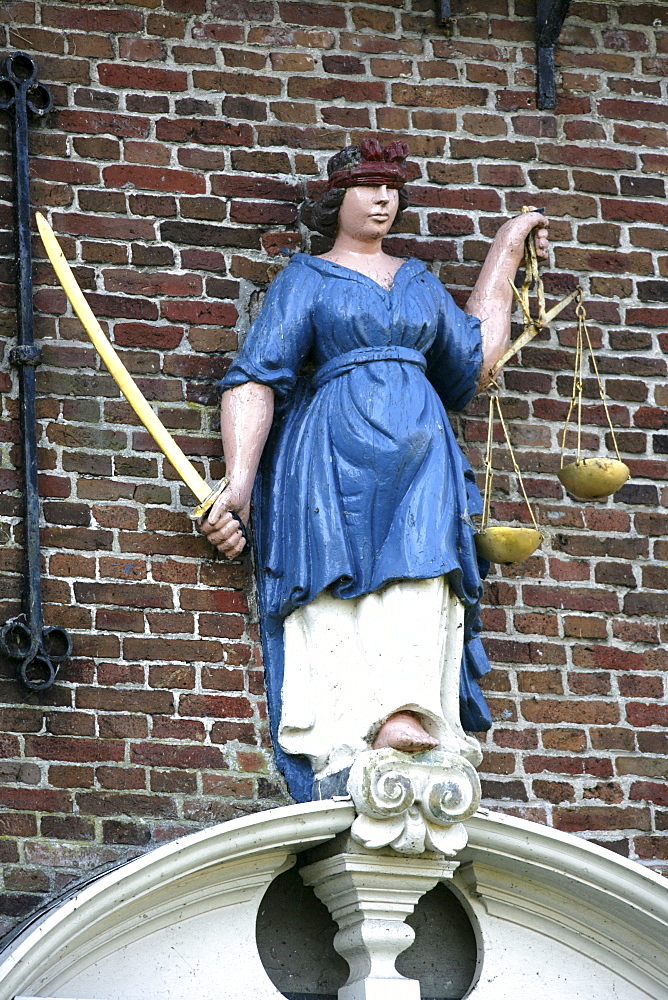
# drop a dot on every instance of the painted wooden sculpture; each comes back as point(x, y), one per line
point(369, 583)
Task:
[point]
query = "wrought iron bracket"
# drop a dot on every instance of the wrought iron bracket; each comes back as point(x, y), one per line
point(37, 651)
point(550, 17)
point(443, 12)
point(26, 354)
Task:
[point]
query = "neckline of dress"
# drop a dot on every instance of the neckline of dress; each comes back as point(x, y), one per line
point(360, 274)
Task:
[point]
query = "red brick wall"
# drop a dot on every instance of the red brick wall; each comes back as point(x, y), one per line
point(183, 136)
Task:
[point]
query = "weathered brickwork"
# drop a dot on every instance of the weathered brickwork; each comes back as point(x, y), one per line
point(184, 135)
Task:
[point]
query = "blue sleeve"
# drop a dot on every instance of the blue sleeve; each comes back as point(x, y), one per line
point(280, 338)
point(454, 360)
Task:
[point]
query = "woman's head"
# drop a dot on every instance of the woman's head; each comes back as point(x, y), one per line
point(379, 170)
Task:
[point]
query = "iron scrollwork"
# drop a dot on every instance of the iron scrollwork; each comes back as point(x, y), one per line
point(38, 651)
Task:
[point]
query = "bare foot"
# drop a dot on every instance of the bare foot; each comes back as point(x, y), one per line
point(404, 731)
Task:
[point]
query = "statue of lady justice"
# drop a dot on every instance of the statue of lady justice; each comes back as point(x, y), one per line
point(369, 585)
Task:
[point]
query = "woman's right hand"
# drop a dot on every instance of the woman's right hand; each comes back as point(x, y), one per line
point(219, 525)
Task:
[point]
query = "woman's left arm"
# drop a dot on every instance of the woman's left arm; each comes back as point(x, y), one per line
point(492, 298)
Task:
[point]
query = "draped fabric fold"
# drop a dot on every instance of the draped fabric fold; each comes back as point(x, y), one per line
point(362, 482)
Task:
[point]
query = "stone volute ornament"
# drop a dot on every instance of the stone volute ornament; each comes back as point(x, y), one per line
point(333, 417)
point(413, 802)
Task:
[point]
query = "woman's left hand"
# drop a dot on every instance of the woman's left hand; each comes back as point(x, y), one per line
point(514, 232)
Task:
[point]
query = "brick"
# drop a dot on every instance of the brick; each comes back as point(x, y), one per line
point(153, 178)
point(67, 828)
point(19, 904)
point(122, 778)
point(129, 804)
point(641, 714)
point(141, 78)
point(641, 765)
point(125, 700)
point(188, 650)
point(208, 235)
point(333, 89)
point(215, 706)
point(573, 820)
point(553, 791)
point(123, 726)
point(70, 724)
point(99, 123)
point(87, 225)
point(168, 755)
point(572, 599)
point(584, 713)
point(312, 15)
point(203, 130)
point(80, 19)
point(116, 832)
point(521, 739)
point(648, 791)
point(17, 825)
point(504, 790)
point(437, 96)
point(73, 749)
point(651, 848)
point(26, 879)
point(35, 800)
point(21, 720)
point(124, 595)
point(237, 83)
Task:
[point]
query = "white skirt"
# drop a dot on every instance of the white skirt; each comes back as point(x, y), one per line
point(350, 664)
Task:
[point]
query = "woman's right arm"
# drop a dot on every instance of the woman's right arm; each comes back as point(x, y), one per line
point(246, 414)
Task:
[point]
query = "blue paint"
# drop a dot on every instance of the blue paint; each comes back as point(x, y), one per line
point(362, 481)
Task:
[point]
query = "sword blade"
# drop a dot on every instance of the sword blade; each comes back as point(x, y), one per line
point(164, 440)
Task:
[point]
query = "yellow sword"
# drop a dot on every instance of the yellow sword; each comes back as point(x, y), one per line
point(164, 440)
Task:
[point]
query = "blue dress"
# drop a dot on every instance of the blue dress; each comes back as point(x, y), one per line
point(362, 481)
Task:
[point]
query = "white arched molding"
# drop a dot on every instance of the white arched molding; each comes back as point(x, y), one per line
point(556, 911)
point(177, 921)
point(556, 916)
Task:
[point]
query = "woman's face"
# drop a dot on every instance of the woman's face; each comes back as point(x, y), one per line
point(367, 212)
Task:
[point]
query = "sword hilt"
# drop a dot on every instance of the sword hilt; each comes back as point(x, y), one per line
point(202, 508)
point(205, 506)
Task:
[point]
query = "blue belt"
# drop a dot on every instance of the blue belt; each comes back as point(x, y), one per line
point(363, 356)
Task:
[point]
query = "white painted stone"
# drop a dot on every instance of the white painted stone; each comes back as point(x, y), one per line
point(178, 920)
point(413, 802)
point(370, 896)
point(349, 664)
point(552, 909)
point(555, 917)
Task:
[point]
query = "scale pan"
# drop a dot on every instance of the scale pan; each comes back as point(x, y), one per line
point(507, 545)
point(594, 478)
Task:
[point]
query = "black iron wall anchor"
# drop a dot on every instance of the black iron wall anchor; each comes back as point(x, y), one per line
point(38, 651)
point(443, 12)
point(550, 17)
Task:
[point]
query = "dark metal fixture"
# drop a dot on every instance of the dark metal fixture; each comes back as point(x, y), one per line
point(550, 17)
point(38, 651)
point(443, 11)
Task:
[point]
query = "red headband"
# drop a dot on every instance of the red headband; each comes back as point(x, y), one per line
point(379, 165)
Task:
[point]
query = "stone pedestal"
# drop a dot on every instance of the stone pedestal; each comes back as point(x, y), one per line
point(369, 895)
